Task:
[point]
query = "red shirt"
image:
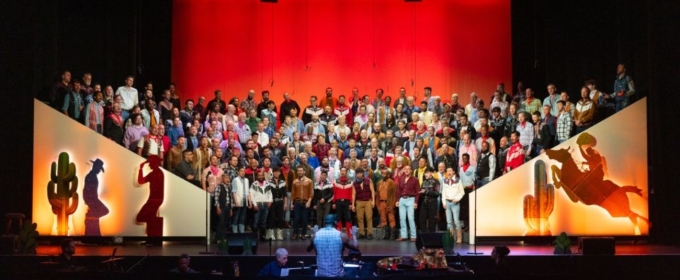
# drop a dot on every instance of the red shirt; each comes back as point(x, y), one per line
point(410, 187)
point(515, 156)
point(363, 193)
point(321, 151)
point(340, 193)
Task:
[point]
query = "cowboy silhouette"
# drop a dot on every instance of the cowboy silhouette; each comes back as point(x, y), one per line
point(149, 212)
point(95, 208)
point(590, 186)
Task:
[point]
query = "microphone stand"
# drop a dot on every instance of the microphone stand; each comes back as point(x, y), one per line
point(207, 220)
point(475, 244)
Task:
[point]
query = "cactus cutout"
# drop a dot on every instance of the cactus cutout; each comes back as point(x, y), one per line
point(62, 191)
point(28, 237)
point(537, 208)
point(448, 241)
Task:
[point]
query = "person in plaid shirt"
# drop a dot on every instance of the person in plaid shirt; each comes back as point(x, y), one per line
point(531, 104)
point(564, 123)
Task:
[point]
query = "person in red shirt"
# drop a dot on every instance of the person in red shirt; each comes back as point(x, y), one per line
point(408, 192)
point(515, 156)
point(343, 192)
point(321, 148)
point(165, 139)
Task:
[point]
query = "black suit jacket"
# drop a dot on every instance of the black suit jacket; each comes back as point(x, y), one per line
point(184, 169)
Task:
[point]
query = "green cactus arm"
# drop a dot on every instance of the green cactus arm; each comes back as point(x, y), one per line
point(53, 172)
point(74, 186)
point(74, 205)
point(51, 190)
point(51, 197)
point(71, 172)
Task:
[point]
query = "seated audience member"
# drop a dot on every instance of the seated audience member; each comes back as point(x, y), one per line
point(183, 265)
point(68, 249)
point(499, 255)
point(274, 268)
point(185, 168)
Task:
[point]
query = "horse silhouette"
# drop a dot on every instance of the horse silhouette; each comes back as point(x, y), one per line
point(590, 187)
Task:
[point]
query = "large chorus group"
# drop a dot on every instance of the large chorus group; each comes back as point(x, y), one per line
point(269, 167)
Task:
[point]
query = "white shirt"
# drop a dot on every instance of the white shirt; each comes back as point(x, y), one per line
point(260, 192)
point(339, 129)
point(146, 118)
point(130, 97)
point(153, 145)
point(426, 117)
point(526, 134)
point(452, 190)
point(262, 138)
point(239, 187)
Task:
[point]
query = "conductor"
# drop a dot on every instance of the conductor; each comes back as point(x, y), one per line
point(329, 244)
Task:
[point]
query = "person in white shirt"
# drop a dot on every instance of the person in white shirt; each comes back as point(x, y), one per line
point(452, 193)
point(261, 200)
point(129, 94)
point(262, 136)
point(526, 133)
point(242, 201)
point(150, 116)
point(342, 127)
point(425, 115)
point(472, 105)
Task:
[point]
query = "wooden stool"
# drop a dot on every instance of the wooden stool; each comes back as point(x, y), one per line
point(14, 216)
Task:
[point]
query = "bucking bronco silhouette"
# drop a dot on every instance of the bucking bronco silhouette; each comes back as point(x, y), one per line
point(589, 186)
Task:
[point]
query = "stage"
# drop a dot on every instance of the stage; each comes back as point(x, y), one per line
point(631, 261)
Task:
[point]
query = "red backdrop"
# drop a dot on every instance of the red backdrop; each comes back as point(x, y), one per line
point(304, 46)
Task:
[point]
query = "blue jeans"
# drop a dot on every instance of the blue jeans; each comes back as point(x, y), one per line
point(406, 212)
point(260, 217)
point(238, 219)
point(300, 215)
point(482, 181)
point(453, 215)
point(290, 208)
point(621, 103)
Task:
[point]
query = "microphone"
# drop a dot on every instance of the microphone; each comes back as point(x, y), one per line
point(208, 175)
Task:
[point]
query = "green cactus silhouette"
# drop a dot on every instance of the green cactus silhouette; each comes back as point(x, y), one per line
point(448, 240)
point(28, 237)
point(61, 190)
point(538, 207)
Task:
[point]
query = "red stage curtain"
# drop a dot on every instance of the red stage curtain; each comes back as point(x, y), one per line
point(305, 46)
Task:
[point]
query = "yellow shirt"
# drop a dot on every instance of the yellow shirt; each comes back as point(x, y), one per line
point(420, 174)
